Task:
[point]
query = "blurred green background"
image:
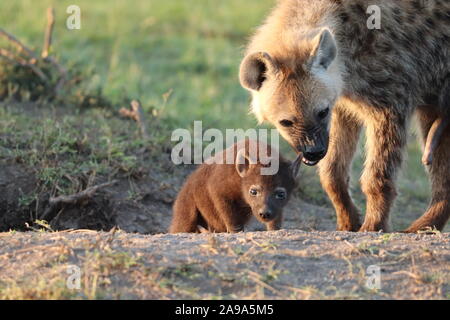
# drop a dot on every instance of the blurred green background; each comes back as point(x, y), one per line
point(181, 57)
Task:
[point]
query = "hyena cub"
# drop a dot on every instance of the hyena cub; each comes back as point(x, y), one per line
point(222, 197)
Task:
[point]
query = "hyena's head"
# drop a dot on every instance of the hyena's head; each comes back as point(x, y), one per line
point(296, 91)
point(266, 195)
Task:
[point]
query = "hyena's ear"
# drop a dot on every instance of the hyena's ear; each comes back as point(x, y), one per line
point(242, 163)
point(324, 52)
point(254, 69)
point(295, 166)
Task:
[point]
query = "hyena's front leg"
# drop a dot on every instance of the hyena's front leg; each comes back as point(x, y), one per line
point(386, 137)
point(275, 224)
point(438, 211)
point(334, 169)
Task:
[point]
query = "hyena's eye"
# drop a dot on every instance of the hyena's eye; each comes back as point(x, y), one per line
point(323, 113)
point(253, 192)
point(286, 123)
point(280, 195)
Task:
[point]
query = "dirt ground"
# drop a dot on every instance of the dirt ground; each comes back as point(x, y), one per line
point(287, 264)
point(137, 259)
point(149, 211)
point(140, 261)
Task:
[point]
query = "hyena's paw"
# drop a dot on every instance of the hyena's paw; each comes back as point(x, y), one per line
point(235, 229)
point(275, 227)
point(348, 227)
point(373, 227)
point(421, 229)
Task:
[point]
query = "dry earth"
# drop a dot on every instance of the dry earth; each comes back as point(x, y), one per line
point(306, 260)
point(287, 264)
point(298, 262)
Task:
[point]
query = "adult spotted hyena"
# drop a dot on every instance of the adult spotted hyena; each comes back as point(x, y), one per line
point(319, 74)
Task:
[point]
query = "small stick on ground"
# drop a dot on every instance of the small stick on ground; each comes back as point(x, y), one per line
point(19, 45)
point(62, 74)
point(47, 47)
point(74, 198)
point(137, 114)
point(48, 32)
point(8, 55)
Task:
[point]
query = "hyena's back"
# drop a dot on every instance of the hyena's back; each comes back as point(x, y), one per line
point(406, 61)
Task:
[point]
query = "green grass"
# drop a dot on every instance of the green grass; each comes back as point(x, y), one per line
point(180, 57)
point(64, 149)
point(187, 50)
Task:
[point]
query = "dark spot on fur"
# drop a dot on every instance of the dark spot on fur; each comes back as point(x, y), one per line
point(430, 23)
point(369, 41)
point(418, 4)
point(419, 35)
point(358, 9)
point(393, 34)
point(344, 17)
point(412, 18)
point(438, 14)
point(431, 99)
point(398, 18)
point(385, 47)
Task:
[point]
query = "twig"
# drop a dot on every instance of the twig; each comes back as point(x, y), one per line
point(83, 195)
point(8, 55)
point(62, 74)
point(257, 279)
point(409, 274)
point(137, 114)
point(48, 32)
point(74, 198)
point(47, 47)
point(19, 45)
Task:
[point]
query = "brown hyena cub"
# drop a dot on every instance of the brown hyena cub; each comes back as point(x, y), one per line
point(221, 197)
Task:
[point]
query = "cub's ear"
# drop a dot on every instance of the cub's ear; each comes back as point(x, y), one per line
point(254, 69)
point(325, 51)
point(295, 165)
point(242, 163)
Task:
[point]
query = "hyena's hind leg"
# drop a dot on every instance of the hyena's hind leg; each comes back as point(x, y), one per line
point(438, 211)
point(433, 139)
point(437, 129)
point(185, 217)
point(334, 169)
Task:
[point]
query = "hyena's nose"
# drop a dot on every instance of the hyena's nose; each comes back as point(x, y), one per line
point(314, 153)
point(265, 214)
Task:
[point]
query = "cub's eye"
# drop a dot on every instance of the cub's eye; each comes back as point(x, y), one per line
point(286, 123)
point(253, 192)
point(323, 113)
point(280, 195)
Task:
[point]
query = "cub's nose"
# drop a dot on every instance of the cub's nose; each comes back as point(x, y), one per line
point(265, 214)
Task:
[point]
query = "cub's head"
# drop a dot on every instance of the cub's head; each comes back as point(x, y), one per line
point(296, 91)
point(266, 194)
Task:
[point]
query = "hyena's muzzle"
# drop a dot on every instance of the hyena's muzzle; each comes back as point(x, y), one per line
point(314, 146)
